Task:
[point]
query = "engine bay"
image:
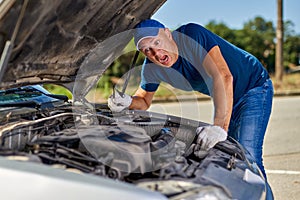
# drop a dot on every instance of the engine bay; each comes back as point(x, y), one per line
point(151, 150)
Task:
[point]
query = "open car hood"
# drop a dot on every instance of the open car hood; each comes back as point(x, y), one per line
point(65, 41)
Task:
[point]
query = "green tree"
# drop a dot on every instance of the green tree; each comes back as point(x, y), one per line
point(222, 30)
point(257, 37)
point(291, 49)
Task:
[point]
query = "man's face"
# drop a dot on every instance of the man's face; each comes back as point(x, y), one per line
point(161, 50)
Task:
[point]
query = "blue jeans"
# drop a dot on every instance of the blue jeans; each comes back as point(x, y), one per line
point(249, 120)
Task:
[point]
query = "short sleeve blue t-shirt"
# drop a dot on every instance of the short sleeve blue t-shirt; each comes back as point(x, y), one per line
point(194, 41)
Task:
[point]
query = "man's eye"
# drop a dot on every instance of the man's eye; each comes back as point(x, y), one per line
point(146, 51)
point(157, 42)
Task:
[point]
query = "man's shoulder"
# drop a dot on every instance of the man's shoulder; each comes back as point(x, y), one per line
point(191, 32)
point(189, 27)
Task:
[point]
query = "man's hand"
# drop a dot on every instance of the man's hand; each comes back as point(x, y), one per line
point(209, 136)
point(118, 102)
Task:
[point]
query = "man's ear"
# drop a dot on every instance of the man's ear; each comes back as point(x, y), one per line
point(168, 33)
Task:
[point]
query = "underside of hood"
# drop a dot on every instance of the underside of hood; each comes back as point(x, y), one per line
point(65, 41)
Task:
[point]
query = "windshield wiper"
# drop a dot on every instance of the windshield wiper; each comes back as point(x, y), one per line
point(29, 104)
point(58, 96)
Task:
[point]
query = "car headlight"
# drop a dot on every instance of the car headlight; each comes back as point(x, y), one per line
point(183, 190)
point(203, 193)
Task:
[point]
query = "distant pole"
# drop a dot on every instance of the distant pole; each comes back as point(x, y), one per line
point(279, 44)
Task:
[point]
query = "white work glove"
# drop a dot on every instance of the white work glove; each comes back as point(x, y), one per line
point(118, 102)
point(209, 136)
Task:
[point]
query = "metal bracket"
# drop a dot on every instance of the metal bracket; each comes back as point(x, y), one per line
point(10, 43)
point(136, 55)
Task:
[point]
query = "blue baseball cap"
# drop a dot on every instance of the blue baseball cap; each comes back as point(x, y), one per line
point(145, 29)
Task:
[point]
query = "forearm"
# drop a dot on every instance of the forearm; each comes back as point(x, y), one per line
point(139, 103)
point(222, 119)
point(222, 89)
point(223, 100)
point(141, 100)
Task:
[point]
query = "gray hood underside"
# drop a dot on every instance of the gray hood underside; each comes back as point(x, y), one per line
point(68, 42)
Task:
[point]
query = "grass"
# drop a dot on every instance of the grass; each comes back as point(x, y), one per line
point(57, 89)
point(290, 83)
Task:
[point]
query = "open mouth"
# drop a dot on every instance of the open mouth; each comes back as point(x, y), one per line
point(164, 60)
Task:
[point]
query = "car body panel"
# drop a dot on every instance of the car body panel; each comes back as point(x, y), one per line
point(26, 180)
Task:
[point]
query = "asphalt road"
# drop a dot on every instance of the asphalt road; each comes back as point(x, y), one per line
point(281, 145)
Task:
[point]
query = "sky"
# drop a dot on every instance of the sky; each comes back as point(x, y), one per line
point(234, 13)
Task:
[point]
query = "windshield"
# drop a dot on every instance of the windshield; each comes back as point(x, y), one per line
point(35, 94)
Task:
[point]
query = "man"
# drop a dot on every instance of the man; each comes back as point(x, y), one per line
point(193, 58)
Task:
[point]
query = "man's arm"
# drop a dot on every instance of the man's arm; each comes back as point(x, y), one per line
point(217, 68)
point(141, 100)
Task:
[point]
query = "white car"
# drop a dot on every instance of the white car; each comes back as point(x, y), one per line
point(54, 148)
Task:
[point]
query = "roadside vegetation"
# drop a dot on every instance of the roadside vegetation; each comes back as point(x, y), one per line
point(289, 84)
point(257, 36)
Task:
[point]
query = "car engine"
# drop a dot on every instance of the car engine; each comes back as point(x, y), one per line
point(151, 150)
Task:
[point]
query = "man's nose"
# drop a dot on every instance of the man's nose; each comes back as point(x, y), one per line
point(155, 51)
